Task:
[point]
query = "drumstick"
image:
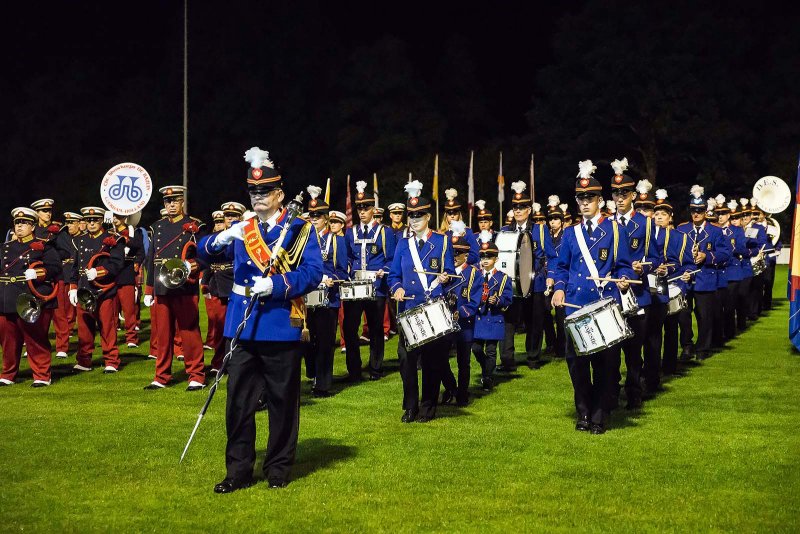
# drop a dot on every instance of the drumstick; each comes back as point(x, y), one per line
point(412, 297)
point(598, 279)
point(437, 274)
point(645, 263)
point(678, 277)
point(568, 305)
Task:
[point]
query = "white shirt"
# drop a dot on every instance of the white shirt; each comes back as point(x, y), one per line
point(594, 220)
point(628, 216)
point(272, 221)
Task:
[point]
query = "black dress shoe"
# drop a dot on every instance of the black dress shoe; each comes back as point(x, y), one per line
point(700, 356)
point(487, 384)
point(194, 388)
point(354, 378)
point(462, 401)
point(598, 428)
point(375, 377)
point(320, 394)
point(535, 364)
point(447, 396)
point(408, 416)
point(582, 424)
point(686, 355)
point(507, 369)
point(229, 486)
point(424, 418)
point(275, 483)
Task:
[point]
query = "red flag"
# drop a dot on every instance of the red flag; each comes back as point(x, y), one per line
point(348, 207)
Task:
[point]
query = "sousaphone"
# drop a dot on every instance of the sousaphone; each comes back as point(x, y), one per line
point(29, 304)
point(773, 196)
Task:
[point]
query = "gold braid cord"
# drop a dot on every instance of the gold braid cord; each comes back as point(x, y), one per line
point(284, 262)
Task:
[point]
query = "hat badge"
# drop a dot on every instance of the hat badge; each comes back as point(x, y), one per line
point(518, 195)
point(169, 191)
point(20, 214)
point(257, 173)
point(413, 201)
point(91, 212)
point(618, 179)
point(584, 182)
point(485, 246)
point(313, 202)
point(454, 239)
point(642, 196)
point(360, 196)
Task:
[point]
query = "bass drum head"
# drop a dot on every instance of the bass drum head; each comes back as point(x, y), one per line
point(525, 273)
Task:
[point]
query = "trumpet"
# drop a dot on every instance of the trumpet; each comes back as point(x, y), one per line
point(29, 304)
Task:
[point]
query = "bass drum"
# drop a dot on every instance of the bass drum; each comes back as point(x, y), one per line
point(515, 258)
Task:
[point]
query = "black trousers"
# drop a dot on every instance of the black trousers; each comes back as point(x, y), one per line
point(702, 303)
point(654, 327)
point(461, 388)
point(729, 310)
point(485, 351)
point(549, 325)
point(669, 363)
point(756, 295)
point(632, 348)
point(561, 334)
point(373, 309)
point(433, 359)
point(685, 323)
point(742, 303)
point(591, 383)
point(273, 368)
point(322, 323)
point(718, 311)
point(518, 313)
point(769, 281)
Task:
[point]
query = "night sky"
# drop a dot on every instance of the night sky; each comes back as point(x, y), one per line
point(90, 84)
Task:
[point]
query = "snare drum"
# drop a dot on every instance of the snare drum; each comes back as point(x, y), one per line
point(677, 300)
point(366, 275)
point(426, 322)
point(597, 326)
point(317, 298)
point(357, 290)
point(515, 258)
point(630, 306)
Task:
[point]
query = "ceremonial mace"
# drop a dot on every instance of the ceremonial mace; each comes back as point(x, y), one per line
point(293, 209)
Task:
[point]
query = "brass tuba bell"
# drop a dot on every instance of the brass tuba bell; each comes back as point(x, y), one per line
point(173, 273)
point(87, 300)
point(29, 308)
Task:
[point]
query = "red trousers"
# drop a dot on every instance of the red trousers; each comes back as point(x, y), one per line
point(126, 301)
point(104, 320)
point(63, 318)
point(180, 314)
point(177, 346)
point(215, 310)
point(13, 333)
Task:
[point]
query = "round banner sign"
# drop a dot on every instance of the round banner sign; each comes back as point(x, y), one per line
point(126, 188)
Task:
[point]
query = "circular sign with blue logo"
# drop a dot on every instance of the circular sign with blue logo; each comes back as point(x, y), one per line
point(126, 188)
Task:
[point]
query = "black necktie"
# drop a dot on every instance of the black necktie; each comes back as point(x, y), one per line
point(420, 242)
point(622, 220)
point(589, 227)
point(364, 230)
point(696, 232)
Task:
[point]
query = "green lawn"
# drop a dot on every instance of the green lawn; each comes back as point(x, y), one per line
point(718, 450)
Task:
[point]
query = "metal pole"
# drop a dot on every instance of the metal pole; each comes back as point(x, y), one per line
point(186, 102)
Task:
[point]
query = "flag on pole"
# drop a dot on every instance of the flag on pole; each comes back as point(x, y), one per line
point(533, 189)
point(794, 270)
point(436, 186)
point(348, 207)
point(470, 188)
point(328, 192)
point(375, 187)
point(501, 183)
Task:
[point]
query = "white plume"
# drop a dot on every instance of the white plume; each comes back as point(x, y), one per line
point(586, 168)
point(644, 186)
point(413, 189)
point(458, 228)
point(480, 204)
point(619, 166)
point(602, 204)
point(612, 207)
point(661, 194)
point(258, 158)
point(697, 191)
point(510, 214)
point(486, 236)
point(361, 186)
point(732, 205)
point(754, 202)
point(743, 202)
point(313, 191)
point(563, 207)
point(450, 193)
point(711, 203)
point(720, 200)
point(518, 187)
point(553, 201)
point(536, 207)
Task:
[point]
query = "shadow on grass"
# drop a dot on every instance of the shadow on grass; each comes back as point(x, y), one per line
point(317, 453)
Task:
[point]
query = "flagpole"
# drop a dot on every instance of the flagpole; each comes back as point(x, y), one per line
point(533, 190)
point(436, 187)
point(471, 187)
point(186, 104)
point(375, 187)
point(328, 192)
point(500, 191)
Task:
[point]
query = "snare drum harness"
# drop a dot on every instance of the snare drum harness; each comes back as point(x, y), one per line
point(587, 258)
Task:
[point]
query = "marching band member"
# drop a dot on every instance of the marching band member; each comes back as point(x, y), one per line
point(378, 215)
point(396, 212)
point(710, 250)
point(154, 335)
point(509, 217)
point(644, 203)
point(336, 222)
point(215, 312)
point(99, 258)
point(65, 245)
point(127, 295)
point(567, 215)
point(452, 212)
point(484, 216)
point(18, 271)
point(742, 304)
point(465, 292)
point(771, 259)
point(370, 248)
point(46, 227)
point(595, 247)
point(733, 269)
point(322, 319)
point(426, 252)
point(757, 242)
point(175, 309)
point(496, 296)
point(644, 259)
point(555, 220)
point(530, 310)
point(269, 349)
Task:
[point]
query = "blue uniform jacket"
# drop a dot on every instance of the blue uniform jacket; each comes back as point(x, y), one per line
point(717, 249)
point(467, 290)
point(436, 256)
point(757, 239)
point(379, 247)
point(571, 271)
point(673, 247)
point(734, 271)
point(270, 318)
point(469, 236)
point(641, 231)
point(544, 254)
point(490, 323)
point(334, 264)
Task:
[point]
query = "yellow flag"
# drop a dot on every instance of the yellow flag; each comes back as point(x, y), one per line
point(435, 195)
point(328, 192)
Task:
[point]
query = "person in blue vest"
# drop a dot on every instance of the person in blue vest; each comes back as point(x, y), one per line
point(742, 303)
point(555, 220)
point(496, 295)
point(452, 213)
point(594, 244)
point(268, 352)
point(675, 258)
point(733, 269)
point(322, 320)
point(644, 260)
point(370, 249)
point(530, 309)
point(710, 251)
point(425, 252)
point(757, 241)
point(464, 295)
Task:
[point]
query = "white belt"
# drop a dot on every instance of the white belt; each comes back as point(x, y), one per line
point(245, 291)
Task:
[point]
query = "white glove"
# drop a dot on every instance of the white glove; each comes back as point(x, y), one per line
point(91, 274)
point(148, 300)
point(226, 237)
point(188, 265)
point(136, 294)
point(322, 284)
point(30, 274)
point(108, 217)
point(262, 286)
point(73, 296)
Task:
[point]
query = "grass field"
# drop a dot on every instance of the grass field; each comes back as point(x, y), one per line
point(718, 450)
